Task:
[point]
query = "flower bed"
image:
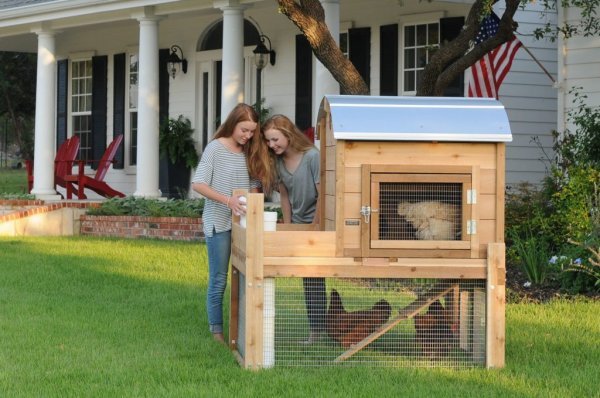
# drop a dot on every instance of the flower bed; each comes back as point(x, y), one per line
point(167, 228)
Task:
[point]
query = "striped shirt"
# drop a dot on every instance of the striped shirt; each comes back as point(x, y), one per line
point(223, 171)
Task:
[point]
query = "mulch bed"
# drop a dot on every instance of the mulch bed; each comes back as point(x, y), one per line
point(517, 292)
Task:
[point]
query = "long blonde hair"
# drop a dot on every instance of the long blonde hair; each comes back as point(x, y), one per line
point(298, 141)
point(258, 160)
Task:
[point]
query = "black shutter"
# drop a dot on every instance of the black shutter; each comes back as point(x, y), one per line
point(388, 59)
point(303, 116)
point(449, 30)
point(163, 86)
point(360, 51)
point(119, 111)
point(62, 92)
point(99, 81)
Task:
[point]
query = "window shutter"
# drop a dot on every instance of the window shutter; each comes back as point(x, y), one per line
point(119, 61)
point(388, 65)
point(303, 118)
point(359, 40)
point(62, 92)
point(99, 81)
point(163, 86)
point(449, 30)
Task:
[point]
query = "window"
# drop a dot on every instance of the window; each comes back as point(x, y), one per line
point(81, 105)
point(420, 43)
point(344, 43)
point(132, 108)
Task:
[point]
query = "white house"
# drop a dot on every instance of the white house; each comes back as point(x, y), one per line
point(102, 71)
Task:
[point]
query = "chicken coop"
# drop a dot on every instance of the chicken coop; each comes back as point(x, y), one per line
point(406, 266)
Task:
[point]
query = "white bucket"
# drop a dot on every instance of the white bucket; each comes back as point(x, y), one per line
point(270, 221)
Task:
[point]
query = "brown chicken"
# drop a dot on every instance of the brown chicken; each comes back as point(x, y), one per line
point(435, 331)
point(349, 328)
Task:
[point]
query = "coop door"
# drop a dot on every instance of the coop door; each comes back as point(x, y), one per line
point(419, 212)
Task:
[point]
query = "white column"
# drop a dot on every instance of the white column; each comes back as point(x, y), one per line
point(45, 119)
point(148, 118)
point(232, 89)
point(324, 83)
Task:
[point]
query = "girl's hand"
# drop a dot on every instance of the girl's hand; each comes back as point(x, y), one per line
point(237, 204)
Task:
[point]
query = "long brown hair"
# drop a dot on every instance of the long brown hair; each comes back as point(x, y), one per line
point(258, 160)
point(298, 141)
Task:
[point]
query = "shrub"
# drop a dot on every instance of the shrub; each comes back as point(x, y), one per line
point(132, 206)
point(532, 253)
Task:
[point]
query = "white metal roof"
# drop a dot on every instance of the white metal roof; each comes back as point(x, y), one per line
point(357, 117)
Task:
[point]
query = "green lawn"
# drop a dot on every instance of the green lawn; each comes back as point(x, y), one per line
point(13, 181)
point(126, 318)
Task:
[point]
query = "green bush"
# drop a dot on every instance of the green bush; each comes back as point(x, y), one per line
point(571, 216)
point(532, 253)
point(131, 206)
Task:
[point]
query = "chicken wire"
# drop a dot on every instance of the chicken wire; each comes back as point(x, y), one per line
point(448, 329)
point(420, 211)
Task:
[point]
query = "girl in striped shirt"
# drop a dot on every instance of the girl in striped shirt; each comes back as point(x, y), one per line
point(234, 159)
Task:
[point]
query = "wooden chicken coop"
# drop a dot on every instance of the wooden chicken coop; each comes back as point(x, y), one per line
point(410, 242)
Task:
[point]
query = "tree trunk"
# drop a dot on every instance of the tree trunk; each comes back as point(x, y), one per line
point(309, 17)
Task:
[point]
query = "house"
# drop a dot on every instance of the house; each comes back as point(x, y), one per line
point(102, 71)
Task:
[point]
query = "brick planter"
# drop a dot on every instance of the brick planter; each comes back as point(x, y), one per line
point(168, 228)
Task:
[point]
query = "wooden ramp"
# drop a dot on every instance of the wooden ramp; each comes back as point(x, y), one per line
point(439, 290)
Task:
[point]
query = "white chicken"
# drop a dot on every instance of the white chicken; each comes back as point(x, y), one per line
point(432, 220)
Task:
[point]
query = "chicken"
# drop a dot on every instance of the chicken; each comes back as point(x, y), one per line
point(432, 220)
point(348, 328)
point(435, 331)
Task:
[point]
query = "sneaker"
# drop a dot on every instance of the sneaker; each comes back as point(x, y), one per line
point(219, 337)
point(313, 337)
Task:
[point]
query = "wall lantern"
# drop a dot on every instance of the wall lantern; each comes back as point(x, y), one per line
point(261, 53)
point(174, 61)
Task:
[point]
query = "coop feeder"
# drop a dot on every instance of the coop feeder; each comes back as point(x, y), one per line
point(410, 242)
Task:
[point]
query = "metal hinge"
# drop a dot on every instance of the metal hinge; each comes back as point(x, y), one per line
point(471, 227)
point(471, 196)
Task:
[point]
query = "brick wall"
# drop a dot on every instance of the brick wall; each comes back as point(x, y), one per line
point(168, 228)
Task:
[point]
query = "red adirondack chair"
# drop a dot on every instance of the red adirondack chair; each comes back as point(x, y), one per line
point(95, 183)
point(63, 162)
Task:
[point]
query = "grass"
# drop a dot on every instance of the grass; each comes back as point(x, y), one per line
point(13, 181)
point(104, 317)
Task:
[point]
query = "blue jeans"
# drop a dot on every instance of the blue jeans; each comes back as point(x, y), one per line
point(219, 251)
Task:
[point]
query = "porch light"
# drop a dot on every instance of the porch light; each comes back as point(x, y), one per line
point(174, 61)
point(261, 53)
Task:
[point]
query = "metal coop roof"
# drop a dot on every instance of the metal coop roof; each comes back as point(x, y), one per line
point(357, 117)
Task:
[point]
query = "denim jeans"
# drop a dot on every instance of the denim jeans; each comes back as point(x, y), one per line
point(219, 251)
point(316, 302)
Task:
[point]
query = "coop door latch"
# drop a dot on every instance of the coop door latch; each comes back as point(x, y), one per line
point(366, 211)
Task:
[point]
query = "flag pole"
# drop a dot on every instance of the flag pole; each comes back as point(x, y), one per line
point(538, 62)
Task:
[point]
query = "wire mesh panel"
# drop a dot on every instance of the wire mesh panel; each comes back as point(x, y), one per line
point(379, 322)
point(420, 211)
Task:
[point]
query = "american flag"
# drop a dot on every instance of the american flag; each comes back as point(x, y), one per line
point(487, 74)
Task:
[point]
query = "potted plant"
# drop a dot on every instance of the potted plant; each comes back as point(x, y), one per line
point(178, 156)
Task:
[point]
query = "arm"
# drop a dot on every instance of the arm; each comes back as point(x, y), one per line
point(232, 202)
point(317, 216)
point(286, 206)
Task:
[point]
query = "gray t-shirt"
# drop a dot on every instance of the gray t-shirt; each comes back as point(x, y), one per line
point(223, 171)
point(302, 186)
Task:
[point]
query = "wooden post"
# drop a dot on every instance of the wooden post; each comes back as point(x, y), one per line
point(496, 291)
point(254, 281)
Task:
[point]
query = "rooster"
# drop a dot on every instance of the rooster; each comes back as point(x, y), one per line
point(435, 331)
point(432, 220)
point(348, 328)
